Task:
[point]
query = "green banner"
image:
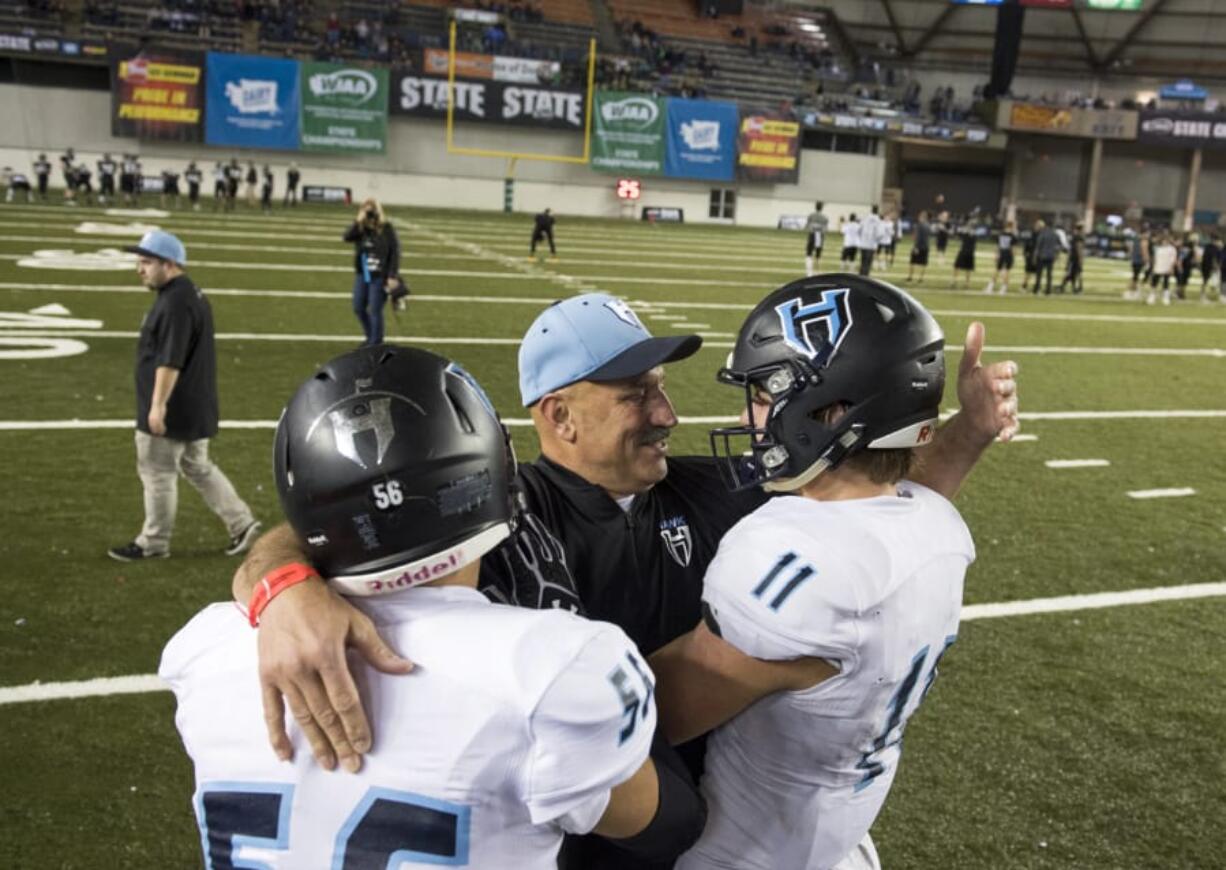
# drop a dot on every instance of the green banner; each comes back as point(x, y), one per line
point(628, 133)
point(344, 108)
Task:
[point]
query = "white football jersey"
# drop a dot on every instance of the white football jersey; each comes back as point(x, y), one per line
point(873, 586)
point(513, 727)
point(851, 234)
point(870, 231)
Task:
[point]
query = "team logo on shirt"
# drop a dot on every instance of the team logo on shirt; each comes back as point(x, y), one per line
point(831, 314)
point(677, 539)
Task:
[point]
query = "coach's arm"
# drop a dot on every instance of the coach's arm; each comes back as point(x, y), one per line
point(303, 634)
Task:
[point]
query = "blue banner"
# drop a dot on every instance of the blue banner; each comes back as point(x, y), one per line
point(252, 102)
point(701, 140)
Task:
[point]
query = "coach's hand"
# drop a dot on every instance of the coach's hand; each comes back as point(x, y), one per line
point(303, 635)
point(987, 394)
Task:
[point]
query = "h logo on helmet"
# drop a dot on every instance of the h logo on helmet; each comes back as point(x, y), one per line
point(831, 312)
point(363, 416)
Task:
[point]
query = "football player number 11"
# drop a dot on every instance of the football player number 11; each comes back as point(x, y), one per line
point(385, 826)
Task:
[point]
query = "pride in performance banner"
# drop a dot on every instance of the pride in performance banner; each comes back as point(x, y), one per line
point(628, 133)
point(158, 95)
point(701, 139)
point(768, 148)
point(344, 108)
point(252, 102)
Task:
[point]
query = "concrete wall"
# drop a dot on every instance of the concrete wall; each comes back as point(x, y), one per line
point(418, 170)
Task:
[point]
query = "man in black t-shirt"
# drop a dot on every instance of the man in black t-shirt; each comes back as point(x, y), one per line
point(193, 176)
point(292, 176)
point(176, 405)
point(106, 179)
point(542, 229)
point(42, 171)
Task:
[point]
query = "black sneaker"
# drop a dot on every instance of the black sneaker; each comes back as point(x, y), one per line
point(133, 552)
point(242, 542)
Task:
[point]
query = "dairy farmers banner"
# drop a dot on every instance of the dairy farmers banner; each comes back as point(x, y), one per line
point(768, 148)
point(252, 101)
point(496, 102)
point(628, 133)
point(344, 108)
point(158, 95)
point(701, 139)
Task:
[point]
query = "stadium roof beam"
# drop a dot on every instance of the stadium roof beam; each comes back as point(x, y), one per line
point(1114, 54)
point(1085, 39)
point(889, 14)
point(932, 31)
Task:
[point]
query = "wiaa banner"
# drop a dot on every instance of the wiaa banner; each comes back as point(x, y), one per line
point(628, 133)
point(701, 139)
point(1182, 129)
point(344, 108)
point(496, 102)
point(768, 148)
point(252, 102)
point(158, 95)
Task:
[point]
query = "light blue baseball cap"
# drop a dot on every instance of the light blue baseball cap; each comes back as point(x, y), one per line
point(160, 244)
point(592, 337)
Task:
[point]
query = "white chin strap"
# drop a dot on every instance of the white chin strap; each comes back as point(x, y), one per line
point(424, 570)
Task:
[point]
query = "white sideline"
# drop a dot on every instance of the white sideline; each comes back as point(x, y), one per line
point(1077, 463)
point(143, 683)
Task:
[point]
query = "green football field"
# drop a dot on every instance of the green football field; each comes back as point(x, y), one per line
point(1086, 736)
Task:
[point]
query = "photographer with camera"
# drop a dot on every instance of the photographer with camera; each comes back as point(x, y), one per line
point(376, 261)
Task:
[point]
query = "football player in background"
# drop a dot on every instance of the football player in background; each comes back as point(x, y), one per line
point(815, 237)
point(516, 726)
point(542, 230)
point(826, 610)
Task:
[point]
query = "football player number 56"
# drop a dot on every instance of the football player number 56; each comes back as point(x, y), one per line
point(385, 826)
point(387, 494)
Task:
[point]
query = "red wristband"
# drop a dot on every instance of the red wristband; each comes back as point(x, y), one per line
point(273, 584)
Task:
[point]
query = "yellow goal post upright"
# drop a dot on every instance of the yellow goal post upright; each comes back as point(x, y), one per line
point(512, 157)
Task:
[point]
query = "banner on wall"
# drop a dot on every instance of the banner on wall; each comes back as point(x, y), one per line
point(344, 108)
point(158, 95)
point(520, 70)
point(1182, 129)
point(701, 140)
point(252, 102)
point(497, 102)
point(1067, 121)
point(768, 148)
point(628, 133)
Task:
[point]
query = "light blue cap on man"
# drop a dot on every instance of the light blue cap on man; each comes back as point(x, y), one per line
point(160, 244)
point(592, 337)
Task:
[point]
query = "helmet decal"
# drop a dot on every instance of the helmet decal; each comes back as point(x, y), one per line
point(831, 311)
point(362, 413)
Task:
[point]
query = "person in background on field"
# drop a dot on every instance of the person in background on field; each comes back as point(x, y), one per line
point(266, 191)
point(68, 167)
point(81, 176)
point(1186, 259)
point(870, 236)
point(193, 176)
point(542, 229)
point(127, 179)
point(42, 171)
point(815, 237)
point(1046, 247)
point(919, 251)
point(850, 228)
point(221, 185)
point(170, 188)
point(376, 261)
point(1076, 261)
point(253, 180)
point(944, 224)
point(106, 179)
point(292, 177)
point(1006, 242)
point(176, 405)
point(964, 262)
point(1164, 262)
point(1210, 258)
point(890, 229)
point(15, 183)
point(1138, 256)
point(234, 177)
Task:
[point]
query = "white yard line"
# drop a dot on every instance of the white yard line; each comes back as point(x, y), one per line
point(144, 683)
point(1172, 492)
point(710, 420)
point(1077, 463)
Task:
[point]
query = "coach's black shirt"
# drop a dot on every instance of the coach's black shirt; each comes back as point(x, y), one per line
point(640, 569)
point(178, 332)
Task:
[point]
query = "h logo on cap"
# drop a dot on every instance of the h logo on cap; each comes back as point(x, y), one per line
point(625, 313)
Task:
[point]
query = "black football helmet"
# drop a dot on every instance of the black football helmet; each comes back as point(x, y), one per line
point(817, 342)
point(393, 469)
